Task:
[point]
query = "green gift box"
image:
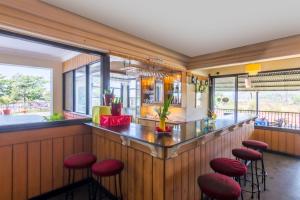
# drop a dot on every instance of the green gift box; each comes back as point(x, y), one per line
point(98, 111)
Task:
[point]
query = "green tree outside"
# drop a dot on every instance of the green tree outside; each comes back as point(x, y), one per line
point(24, 88)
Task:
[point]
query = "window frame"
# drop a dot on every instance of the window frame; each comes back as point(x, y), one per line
point(104, 80)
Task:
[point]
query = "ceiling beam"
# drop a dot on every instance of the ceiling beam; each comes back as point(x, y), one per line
point(251, 53)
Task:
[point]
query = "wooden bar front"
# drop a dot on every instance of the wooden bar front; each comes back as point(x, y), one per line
point(159, 173)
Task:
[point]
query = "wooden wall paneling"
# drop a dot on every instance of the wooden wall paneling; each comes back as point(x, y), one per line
point(177, 178)
point(268, 137)
point(87, 147)
point(124, 175)
point(34, 169)
point(158, 177)
point(112, 155)
point(6, 172)
point(42, 134)
point(290, 143)
point(207, 156)
point(254, 136)
point(58, 159)
point(198, 170)
point(275, 141)
point(46, 166)
point(169, 179)
point(106, 180)
point(131, 168)
point(68, 150)
point(118, 156)
point(139, 175)
point(20, 171)
point(79, 61)
point(297, 145)
point(185, 175)
point(261, 135)
point(78, 148)
point(282, 142)
point(192, 162)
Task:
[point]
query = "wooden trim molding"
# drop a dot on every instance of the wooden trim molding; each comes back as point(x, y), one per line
point(251, 53)
point(79, 61)
point(39, 19)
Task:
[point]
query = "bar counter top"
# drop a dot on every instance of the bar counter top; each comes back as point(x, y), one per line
point(182, 133)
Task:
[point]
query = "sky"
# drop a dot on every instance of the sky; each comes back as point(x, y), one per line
point(10, 70)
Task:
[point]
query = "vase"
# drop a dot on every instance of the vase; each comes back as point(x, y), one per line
point(108, 99)
point(116, 109)
point(162, 124)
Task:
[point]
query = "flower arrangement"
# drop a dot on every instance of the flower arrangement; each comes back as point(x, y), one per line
point(163, 113)
point(55, 117)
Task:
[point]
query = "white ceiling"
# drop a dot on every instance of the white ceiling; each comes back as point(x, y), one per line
point(13, 46)
point(194, 27)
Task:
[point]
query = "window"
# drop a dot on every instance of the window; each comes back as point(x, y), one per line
point(83, 88)
point(68, 91)
point(224, 96)
point(80, 90)
point(273, 96)
point(25, 94)
point(125, 87)
point(95, 85)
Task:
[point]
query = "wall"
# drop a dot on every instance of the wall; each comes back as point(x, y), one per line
point(266, 66)
point(193, 113)
point(79, 61)
point(188, 111)
point(287, 142)
point(32, 161)
point(36, 62)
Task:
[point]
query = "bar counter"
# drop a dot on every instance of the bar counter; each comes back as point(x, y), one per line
point(167, 167)
point(181, 133)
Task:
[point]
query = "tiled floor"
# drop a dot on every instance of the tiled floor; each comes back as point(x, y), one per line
point(283, 181)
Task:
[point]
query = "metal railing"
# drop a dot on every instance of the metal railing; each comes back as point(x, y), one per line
point(27, 107)
point(274, 118)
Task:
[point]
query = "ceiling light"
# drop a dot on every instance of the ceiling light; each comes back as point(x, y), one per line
point(253, 69)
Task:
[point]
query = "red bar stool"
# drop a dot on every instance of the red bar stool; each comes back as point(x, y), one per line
point(75, 162)
point(219, 186)
point(229, 167)
point(261, 147)
point(252, 156)
point(106, 168)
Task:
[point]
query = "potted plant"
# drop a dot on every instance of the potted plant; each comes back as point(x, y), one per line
point(116, 106)
point(6, 100)
point(108, 97)
point(55, 117)
point(163, 113)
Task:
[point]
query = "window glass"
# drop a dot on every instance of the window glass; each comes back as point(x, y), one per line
point(80, 90)
point(124, 86)
point(224, 97)
point(69, 91)
point(246, 96)
point(95, 85)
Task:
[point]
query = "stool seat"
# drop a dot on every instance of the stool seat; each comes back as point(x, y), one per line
point(254, 144)
point(107, 168)
point(219, 186)
point(247, 154)
point(228, 167)
point(80, 161)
